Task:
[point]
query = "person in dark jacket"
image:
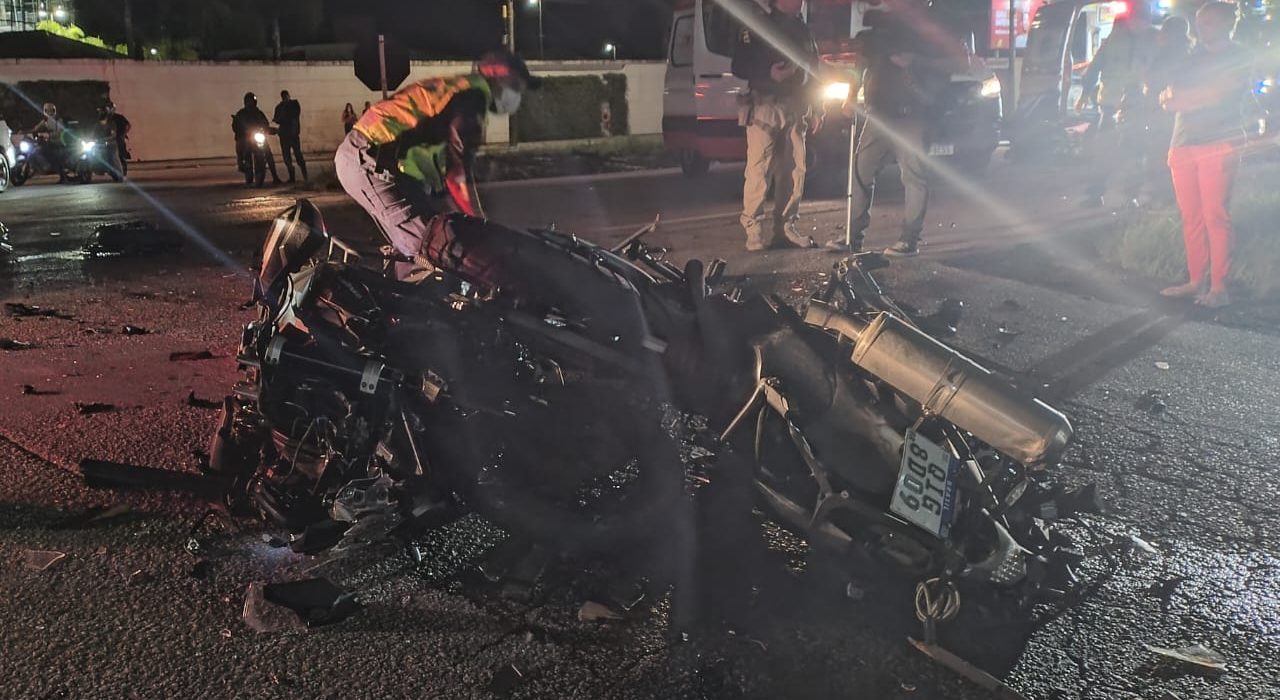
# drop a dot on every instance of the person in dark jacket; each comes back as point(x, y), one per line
point(778, 114)
point(244, 124)
point(122, 128)
point(288, 119)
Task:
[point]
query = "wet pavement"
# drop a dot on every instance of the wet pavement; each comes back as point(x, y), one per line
point(131, 611)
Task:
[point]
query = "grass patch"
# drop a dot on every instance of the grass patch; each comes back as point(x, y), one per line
point(1150, 242)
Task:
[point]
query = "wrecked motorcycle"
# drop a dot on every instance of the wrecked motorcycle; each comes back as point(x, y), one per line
point(532, 375)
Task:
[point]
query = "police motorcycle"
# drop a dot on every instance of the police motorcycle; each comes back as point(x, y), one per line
point(532, 377)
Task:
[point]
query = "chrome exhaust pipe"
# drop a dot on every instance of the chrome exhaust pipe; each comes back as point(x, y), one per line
point(950, 385)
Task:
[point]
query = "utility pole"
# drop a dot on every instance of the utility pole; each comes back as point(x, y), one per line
point(509, 24)
point(128, 26)
point(1013, 53)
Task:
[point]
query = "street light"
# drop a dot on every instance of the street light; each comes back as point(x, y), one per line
point(59, 14)
point(542, 50)
point(611, 50)
point(154, 52)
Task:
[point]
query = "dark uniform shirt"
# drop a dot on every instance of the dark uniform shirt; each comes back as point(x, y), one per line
point(289, 117)
point(891, 90)
point(1222, 120)
point(754, 56)
point(246, 120)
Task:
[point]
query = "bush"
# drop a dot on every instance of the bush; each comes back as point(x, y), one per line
point(569, 107)
point(77, 100)
point(1151, 242)
point(75, 33)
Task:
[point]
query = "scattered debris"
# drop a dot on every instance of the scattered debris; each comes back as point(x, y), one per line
point(966, 669)
point(1195, 655)
point(853, 591)
point(946, 319)
point(193, 400)
point(28, 390)
point(264, 617)
point(140, 576)
point(1140, 545)
point(319, 536)
point(11, 344)
point(592, 611)
point(226, 633)
point(92, 407)
point(1162, 365)
point(1004, 331)
point(190, 356)
point(135, 330)
point(273, 542)
point(317, 601)
point(132, 238)
point(28, 311)
point(104, 474)
point(39, 560)
point(1152, 402)
point(505, 680)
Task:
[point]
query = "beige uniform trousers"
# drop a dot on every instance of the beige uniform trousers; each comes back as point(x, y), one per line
point(775, 153)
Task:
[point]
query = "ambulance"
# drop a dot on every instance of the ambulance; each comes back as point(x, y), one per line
point(700, 105)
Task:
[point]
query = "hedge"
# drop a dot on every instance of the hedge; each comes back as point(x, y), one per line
point(77, 100)
point(570, 107)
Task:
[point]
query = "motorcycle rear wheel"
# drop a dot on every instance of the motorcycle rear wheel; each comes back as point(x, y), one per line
point(4, 173)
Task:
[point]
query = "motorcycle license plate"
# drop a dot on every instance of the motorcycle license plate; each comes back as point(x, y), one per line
point(925, 494)
point(942, 149)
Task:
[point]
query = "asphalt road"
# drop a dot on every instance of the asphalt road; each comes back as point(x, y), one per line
point(124, 614)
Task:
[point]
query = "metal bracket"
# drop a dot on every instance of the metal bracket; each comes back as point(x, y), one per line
point(369, 378)
point(274, 349)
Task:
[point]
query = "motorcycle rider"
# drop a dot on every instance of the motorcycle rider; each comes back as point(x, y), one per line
point(50, 130)
point(409, 157)
point(244, 124)
point(104, 133)
point(122, 127)
point(288, 119)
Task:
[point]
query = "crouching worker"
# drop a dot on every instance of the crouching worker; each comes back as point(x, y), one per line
point(409, 158)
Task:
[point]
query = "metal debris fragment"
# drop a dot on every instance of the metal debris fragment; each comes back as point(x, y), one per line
point(134, 330)
point(27, 311)
point(11, 344)
point(1162, 365)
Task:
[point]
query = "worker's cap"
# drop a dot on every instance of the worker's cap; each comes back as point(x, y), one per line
point(502, 64)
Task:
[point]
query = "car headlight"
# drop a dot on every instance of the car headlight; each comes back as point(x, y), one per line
point(87, 146)
point(259, 138)
point(836, 92)
point(991, 87)
point(25, 147)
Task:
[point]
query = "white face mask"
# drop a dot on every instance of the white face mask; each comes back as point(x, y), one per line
point(508, 101)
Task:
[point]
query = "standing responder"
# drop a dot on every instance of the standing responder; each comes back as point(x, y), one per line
point(288, 119)
point(778, 114)
point(409, 157)
point(903, 76)
point(1114, 81)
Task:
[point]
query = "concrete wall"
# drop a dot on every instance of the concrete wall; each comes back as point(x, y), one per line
point(183, 110)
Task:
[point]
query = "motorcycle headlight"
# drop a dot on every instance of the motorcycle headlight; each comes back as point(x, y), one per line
point(87, 147)
point(836, 92)
point(25, 147)
point(259, 138)
point(991, 87)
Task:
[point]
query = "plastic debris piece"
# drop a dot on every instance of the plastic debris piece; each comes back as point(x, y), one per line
point(1162, 365)
point(190, 356)
point(226, 633)
point(853, 591)
point(40, 560)
point(197, 402)
point(103, 474)
point(317, 601)
point(29, 390)
point(92, 407)
point(134, 330)
point(11, 344)
point(1143, 546)
point(140, 576)
point(1195, 654)
point(592, 611)
point(26, 311)
point(1152, 402)
point(132, 238)
point(264, 617)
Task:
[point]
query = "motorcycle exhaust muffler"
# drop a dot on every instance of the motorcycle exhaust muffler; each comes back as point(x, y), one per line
point(950, 385)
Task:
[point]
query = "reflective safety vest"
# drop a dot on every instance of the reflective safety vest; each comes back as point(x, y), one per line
point(387, 120)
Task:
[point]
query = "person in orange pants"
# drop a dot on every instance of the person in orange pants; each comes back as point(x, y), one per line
point(1204, 153)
